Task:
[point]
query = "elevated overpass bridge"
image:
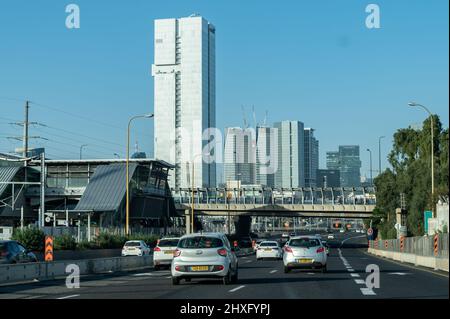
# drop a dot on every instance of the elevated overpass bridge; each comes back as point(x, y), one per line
point(356, 202)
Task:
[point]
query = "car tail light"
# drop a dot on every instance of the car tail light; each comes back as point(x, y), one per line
point(321, 250)
point(156, 249)
point(288, 249)
point(177, 268)
point(222, 252)
point(3, 253)
point(176, 253)
point(219, 268)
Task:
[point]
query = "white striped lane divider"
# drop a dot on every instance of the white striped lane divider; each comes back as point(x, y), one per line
point(68, 297)
point(236, 289)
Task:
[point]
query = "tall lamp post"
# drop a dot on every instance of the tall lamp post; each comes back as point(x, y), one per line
point(192, 196)
point(379, 154)
point(414, 104)
point(81, 150)
point(127, 213)
point(371, 177)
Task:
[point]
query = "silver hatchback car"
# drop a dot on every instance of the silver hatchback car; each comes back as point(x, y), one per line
point(305, 252)
point(204, 255)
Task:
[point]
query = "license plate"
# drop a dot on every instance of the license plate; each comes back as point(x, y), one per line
point(268, 249)
point(304, 261)
point(199, 268)
point(168, 252)
point(131, 248)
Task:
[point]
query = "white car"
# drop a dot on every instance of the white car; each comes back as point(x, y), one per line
point(330, 236)
point(342, 230)
point(269, 249)
point(163, 252)
point(305, 252)
point(204, 255)
point(135, 248)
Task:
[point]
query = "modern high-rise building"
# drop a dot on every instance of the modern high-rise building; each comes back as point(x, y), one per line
point(328, 178)
point(348, 162)
point(240, 156)
point(311, 158)
point(333, 161)
point(266, 156)
point(184, 97)
point(291, 159)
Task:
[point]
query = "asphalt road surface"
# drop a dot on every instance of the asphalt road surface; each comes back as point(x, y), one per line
point(345, 279)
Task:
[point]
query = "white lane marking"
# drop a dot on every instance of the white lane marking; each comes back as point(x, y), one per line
point(360, 281)
point(236, 289)
point(354, 275)
point(247, 261)
point(143, 274)
point(311, 273)
point(168, 277)
point(273, 271)
point(367, 292)
point(33, 297)
point(399, 273)
point(351, 270)
point(348, 267)
point(67, 297)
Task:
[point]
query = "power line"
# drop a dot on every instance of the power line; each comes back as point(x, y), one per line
point(81, 141)
point(116, 126)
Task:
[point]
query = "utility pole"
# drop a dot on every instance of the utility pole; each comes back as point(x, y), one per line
point(25, 131)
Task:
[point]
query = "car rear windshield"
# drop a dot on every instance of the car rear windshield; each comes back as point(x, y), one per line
point(304, 242)
point(168, 243)
point(268, 244)
point(200, 242)
point(133, 244)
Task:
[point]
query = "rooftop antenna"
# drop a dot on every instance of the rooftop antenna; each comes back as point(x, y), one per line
point(244, 118)
point(136, 147)
point(265, 118)
point(254, 116)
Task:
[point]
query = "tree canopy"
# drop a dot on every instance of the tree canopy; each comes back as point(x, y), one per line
point(410, 159)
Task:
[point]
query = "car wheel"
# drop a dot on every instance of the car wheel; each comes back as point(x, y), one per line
point(157, 267)
point(324, 269)
point(286, 269)
point(188, 279)
point(234, 279)
point(227, 278)
point(175, 281)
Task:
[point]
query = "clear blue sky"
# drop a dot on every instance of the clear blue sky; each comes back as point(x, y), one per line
point(313, 61)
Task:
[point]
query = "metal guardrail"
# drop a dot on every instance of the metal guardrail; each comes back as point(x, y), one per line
point(427, 246)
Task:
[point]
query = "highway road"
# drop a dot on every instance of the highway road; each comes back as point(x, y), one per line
point(345, 279)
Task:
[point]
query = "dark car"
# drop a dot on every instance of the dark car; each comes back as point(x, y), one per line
point(12, 252)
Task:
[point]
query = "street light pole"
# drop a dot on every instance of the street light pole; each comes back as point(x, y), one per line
point(81, 150)
point(193, 185)
point(371, 177)
point(412, 104)
point(127, 209)
point(379, 154)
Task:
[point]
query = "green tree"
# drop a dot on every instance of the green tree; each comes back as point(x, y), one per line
point(410, 159)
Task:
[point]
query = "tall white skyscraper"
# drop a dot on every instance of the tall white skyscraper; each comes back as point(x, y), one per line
point(267, 155)
point(291, 159)
point(240, 156)
point(311, 158)
point(184, 97)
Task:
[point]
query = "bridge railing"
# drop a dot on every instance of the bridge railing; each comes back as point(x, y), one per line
point(276, 196)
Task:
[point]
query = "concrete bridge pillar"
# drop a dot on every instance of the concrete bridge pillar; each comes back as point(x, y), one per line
point(187, 215)
point(243, 225)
